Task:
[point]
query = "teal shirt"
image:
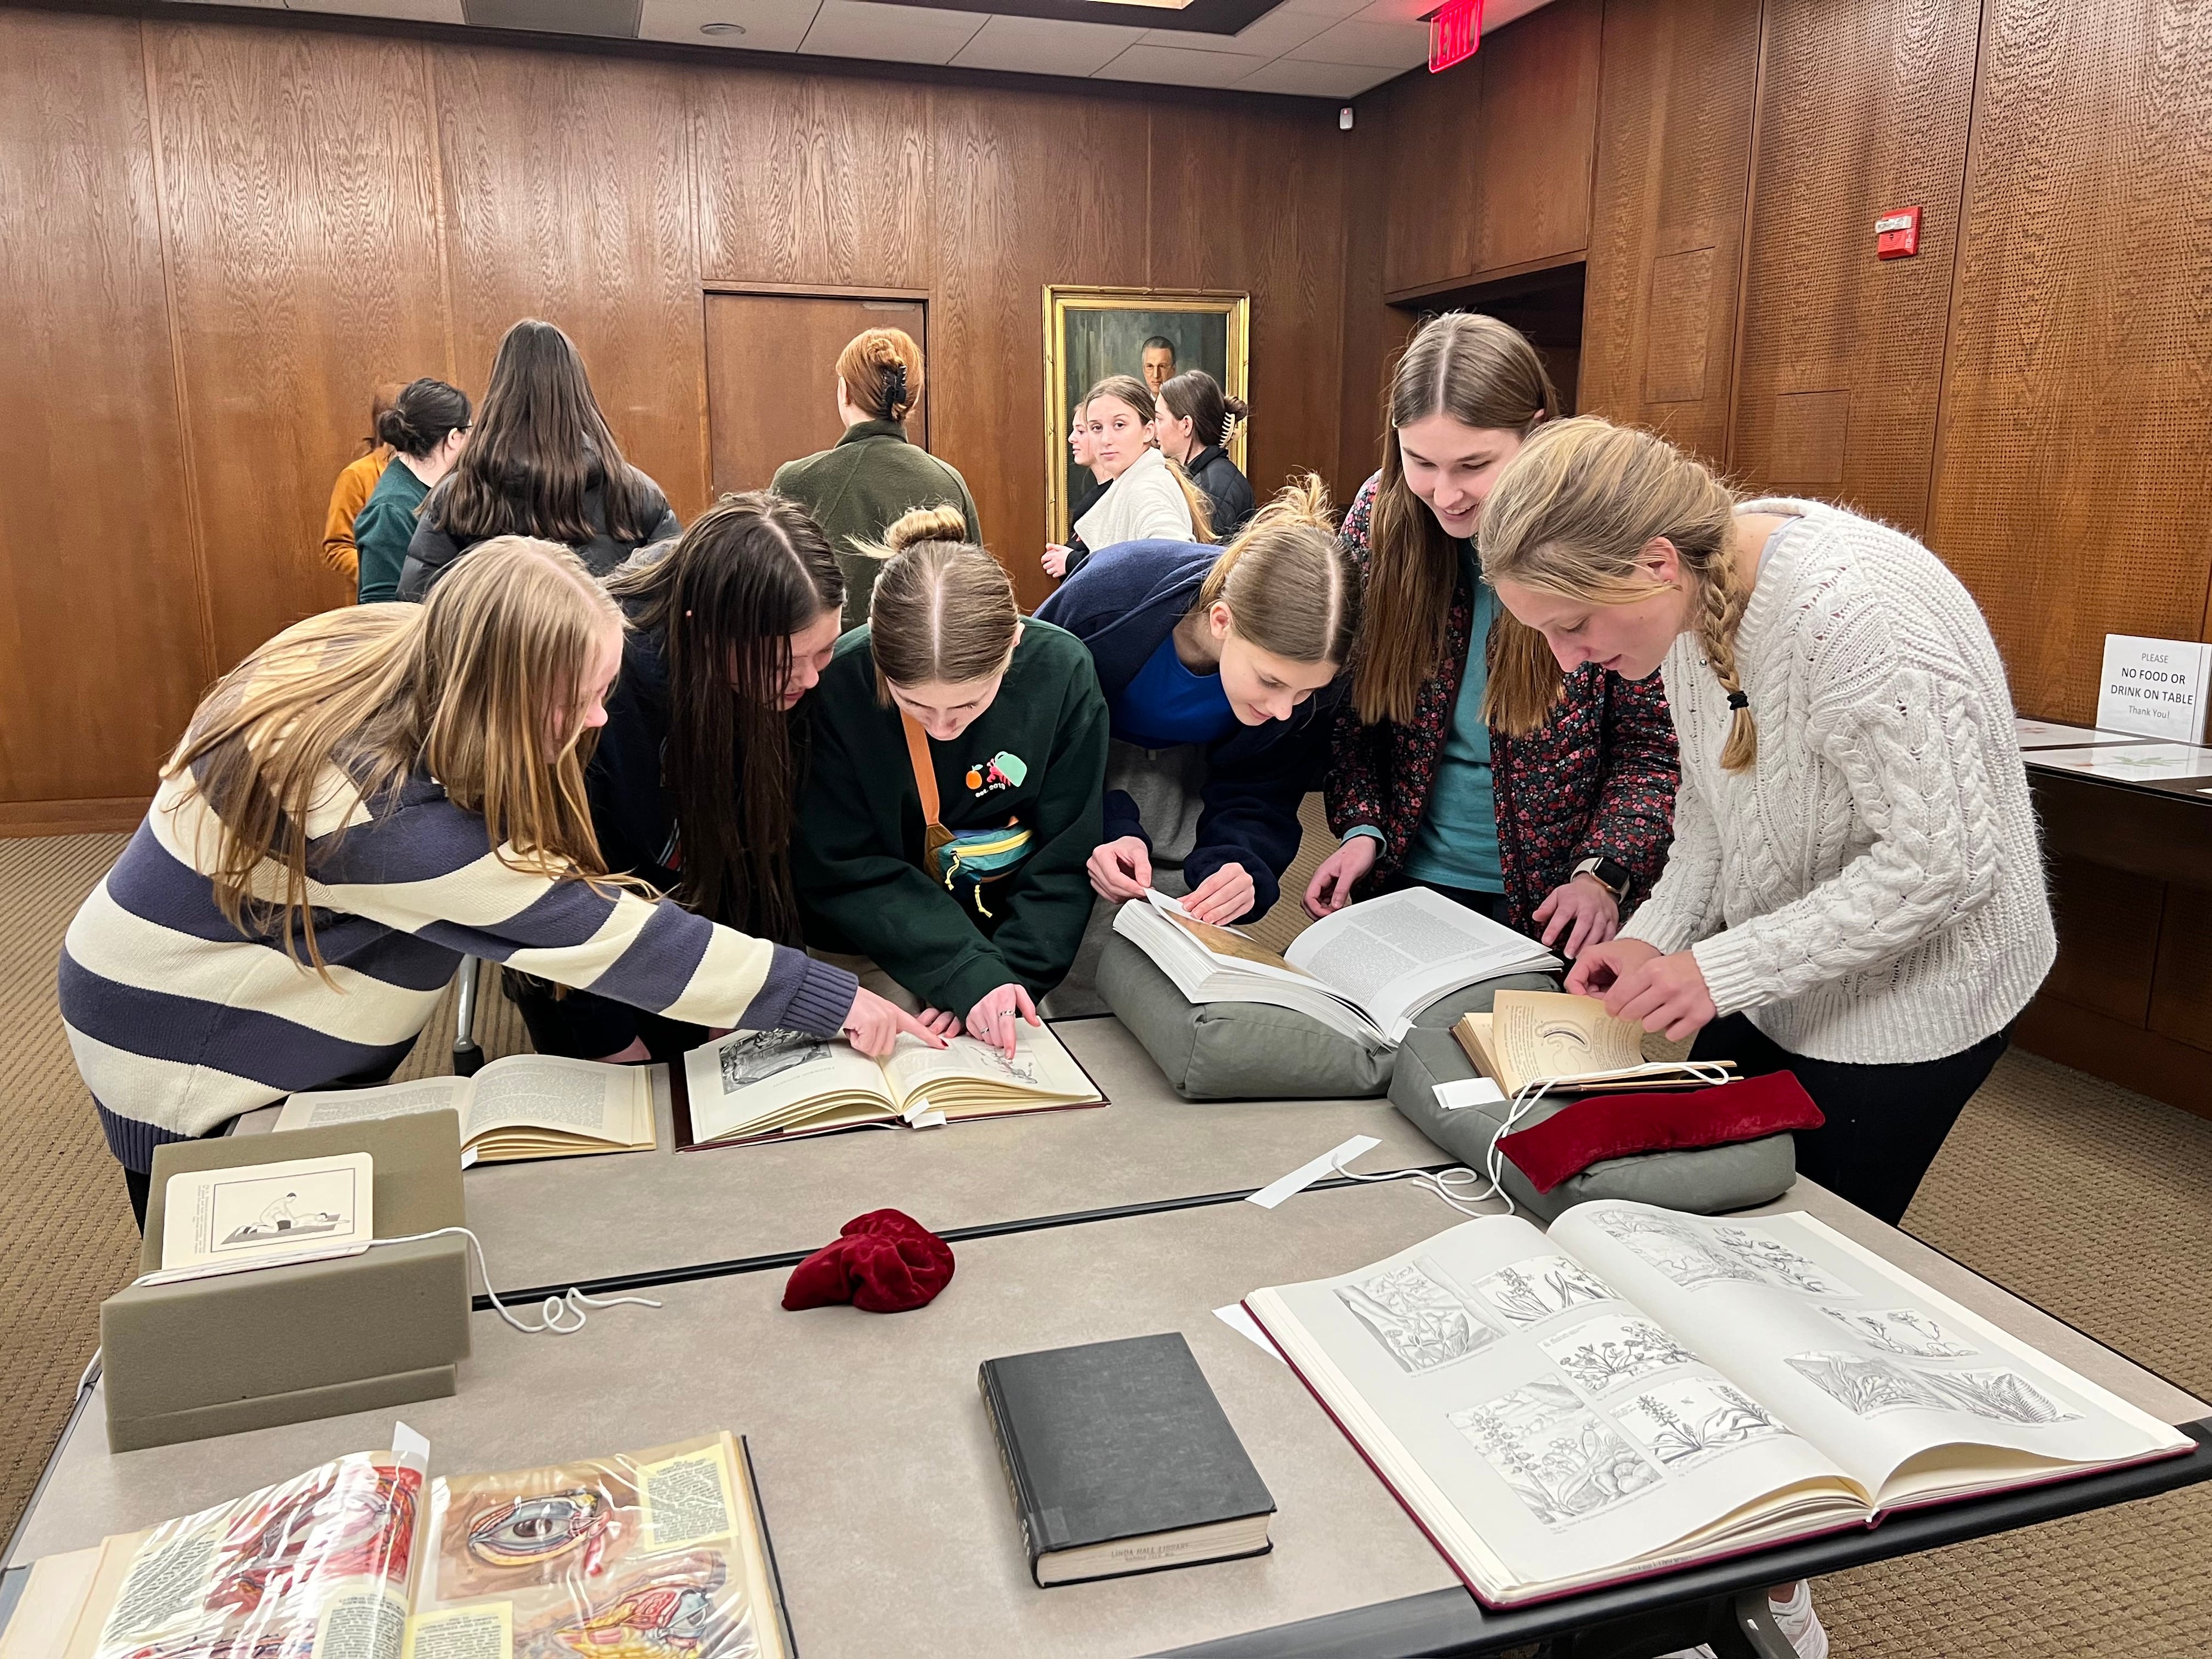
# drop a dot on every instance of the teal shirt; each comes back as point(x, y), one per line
point(383, 528)
point(1457, 845)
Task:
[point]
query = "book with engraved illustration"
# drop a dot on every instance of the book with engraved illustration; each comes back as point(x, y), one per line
point(1639, 1390)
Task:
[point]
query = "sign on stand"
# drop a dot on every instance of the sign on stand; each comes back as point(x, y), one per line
point(2155, 688)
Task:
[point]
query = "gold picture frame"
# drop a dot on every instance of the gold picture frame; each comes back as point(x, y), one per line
point(1100, 318)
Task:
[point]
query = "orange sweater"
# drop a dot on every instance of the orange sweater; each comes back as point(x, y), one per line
point(348, 496)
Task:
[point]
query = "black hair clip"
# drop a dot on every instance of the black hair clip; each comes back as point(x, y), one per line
point(894, 386)
point(1737, 700)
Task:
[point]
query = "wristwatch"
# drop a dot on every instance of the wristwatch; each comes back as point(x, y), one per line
point(1611, 873)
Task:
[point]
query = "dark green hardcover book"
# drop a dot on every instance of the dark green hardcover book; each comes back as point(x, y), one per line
point(1121, 1461)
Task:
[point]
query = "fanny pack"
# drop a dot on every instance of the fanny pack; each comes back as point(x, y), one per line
point(970, 856)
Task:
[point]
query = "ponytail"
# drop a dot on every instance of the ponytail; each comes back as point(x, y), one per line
point(1288, 582)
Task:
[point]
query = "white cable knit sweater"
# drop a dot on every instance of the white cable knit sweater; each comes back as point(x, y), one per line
point(1871, 891)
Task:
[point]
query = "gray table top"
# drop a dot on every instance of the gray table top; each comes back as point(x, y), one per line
point(559, 1221)
point(878, 1475)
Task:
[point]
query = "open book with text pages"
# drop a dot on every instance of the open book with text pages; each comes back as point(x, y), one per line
point(1365, 971)
point(761, 1085)
point(1548, 1036)
point(523, 1106)
point(652, 1553)
point(1640, 1389)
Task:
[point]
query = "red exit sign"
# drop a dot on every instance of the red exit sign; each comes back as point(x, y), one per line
point(1454, 32)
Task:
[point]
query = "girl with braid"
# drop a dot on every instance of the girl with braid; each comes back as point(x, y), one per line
point(1855, 891)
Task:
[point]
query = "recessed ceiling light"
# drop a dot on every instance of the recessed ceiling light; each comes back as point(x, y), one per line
point(721, 28)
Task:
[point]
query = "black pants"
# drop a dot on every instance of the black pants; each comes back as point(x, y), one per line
point(1886, 1123)
point(582, 1026)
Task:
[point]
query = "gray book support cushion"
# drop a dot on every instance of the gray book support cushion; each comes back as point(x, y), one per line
point(1254, 1050)
point(1704, 1180)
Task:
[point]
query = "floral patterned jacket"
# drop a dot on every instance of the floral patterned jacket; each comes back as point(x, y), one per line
point(1598, 780)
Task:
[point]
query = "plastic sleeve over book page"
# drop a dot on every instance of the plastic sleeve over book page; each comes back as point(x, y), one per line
point(1540, 1425)
point(1876, 1369)
point(651, 1554)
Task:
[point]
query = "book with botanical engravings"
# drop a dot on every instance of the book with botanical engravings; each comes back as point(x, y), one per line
point(662, 1552)
point(1121, 1461)
point(523, 1106)
point(1531, 1037)
point(767, 1085)
point(1365, 971)
point(1639, 1390)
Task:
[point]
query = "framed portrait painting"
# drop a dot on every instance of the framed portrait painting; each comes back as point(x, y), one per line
point(1153, 333)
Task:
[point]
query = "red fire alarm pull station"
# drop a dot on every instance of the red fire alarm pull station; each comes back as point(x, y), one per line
point(1896, 236)
point(1455, 33)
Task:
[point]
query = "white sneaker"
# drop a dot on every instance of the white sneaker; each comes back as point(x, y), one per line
point(1793, 1618)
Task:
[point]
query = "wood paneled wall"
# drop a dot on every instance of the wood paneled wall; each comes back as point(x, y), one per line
point(2031, 394)
point(216, 237)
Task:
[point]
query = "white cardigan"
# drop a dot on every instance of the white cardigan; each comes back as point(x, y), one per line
point(1871, 889)
point(1144, 504)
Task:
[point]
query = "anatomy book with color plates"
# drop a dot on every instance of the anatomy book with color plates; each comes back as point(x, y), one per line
point(1639, 1390)
point(653, 1555)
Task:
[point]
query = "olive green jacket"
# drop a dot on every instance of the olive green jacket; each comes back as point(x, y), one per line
point(855, 489)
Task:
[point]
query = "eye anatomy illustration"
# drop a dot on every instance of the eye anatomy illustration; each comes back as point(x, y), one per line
point(528, 1532)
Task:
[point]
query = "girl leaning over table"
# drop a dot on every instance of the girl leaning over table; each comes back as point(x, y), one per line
point(955, 759)
point(1542, 800)
point(370, 795)
point(1220, 668)
point(693, 779)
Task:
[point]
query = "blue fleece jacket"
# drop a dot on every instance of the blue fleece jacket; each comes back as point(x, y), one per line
point(1122, 604)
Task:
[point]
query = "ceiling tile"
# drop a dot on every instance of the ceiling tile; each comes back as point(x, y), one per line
point(897, 34)
point(1383, 46)
point(1324, 8)
point(1170, 66)
point(1265, 37)
point(1304, 80)
point(769, 25)
point(414, 11)
point(1044, 46)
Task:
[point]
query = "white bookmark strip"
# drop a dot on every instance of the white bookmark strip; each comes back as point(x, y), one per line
point(409, 1443)
point(1244, 1325)
point(1329, 1162)
point(1463, 1093)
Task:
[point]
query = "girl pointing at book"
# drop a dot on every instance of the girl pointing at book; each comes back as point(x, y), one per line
point(1855, 891)
point(371, 794)
point(951, 796)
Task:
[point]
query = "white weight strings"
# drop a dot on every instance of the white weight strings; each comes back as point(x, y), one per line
point(1443, 1183)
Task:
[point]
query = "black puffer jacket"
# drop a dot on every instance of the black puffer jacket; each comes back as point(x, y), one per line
point(431, 550)
point(1226, 490)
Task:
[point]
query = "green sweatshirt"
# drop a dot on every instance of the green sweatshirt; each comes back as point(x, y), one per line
point(857, 855)
point(855, 489)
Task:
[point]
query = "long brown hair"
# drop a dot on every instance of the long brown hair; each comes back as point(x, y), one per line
point(943, 609)
point(538, 440)
point(351, 701)
point(1287, 580)
point(1130, 390)
point(1584, 497)
point(1482, 374)
point(750, 572)
point(881, 368)
point(1195, 396)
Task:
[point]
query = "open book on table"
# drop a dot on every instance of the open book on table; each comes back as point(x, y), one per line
point(1547, 1035)
point(763, 1085)
point(656, 1553)
point(523, 1106)
point(1641, 1390)
point(1365, 971)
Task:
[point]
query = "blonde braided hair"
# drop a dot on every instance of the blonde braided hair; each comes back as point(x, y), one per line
point(1573, 510)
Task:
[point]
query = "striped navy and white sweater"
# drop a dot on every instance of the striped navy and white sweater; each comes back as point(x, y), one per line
point(181, 1023)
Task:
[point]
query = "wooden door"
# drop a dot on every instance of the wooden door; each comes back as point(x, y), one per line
point(771, 369)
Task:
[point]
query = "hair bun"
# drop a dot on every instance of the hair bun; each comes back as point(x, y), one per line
point(942, 523)
point(394, 429)
point(1238, 408)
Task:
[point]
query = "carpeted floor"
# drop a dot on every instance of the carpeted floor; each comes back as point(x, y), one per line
point(2091, 1201)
